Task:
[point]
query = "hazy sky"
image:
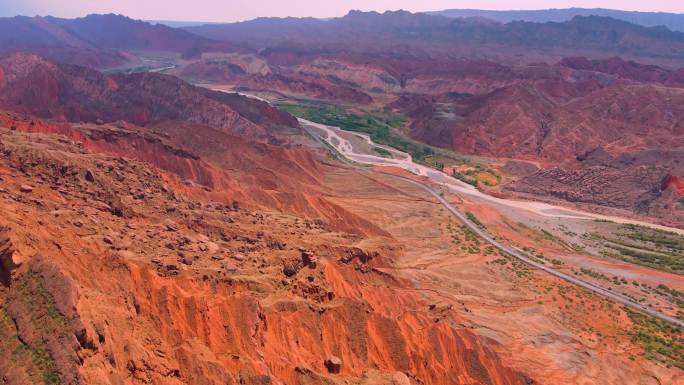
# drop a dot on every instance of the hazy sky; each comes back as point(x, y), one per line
point(234, 10)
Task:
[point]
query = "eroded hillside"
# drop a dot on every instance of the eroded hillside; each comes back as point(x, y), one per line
point(112, 275)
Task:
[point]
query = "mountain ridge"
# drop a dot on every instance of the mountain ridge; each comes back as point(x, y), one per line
point(674, 21)
point(440, 36)
point(98, 40)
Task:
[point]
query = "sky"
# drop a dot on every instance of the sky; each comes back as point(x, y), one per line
point(237, 10)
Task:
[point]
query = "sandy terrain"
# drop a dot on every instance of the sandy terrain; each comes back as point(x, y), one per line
point(536, 327)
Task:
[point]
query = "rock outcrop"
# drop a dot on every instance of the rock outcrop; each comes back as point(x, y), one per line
point(645, 182)
point(148, 297)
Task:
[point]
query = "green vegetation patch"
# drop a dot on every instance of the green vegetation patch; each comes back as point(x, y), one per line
point(593, 274)
point(478, 174)
point(465, 179)
point(475, 220)
point(34, 295)
point(377, 124)
point(33, 359)
point(382, 152)
point(673, 295)
point(660, 239)
point(644, 246)
point(540, 235)
point(467, 240)
point(382, 127)
point(661, 341)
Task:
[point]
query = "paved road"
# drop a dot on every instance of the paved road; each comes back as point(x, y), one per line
point(621, 299)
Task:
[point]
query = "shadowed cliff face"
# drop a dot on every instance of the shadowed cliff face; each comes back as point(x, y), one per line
point(136, 281)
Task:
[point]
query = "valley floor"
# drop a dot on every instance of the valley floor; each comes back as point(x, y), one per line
point(541, 324)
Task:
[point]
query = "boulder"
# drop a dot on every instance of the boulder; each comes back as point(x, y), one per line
point(400, 378)
point(171, 267)
point(186, 261)
point(291, 267)
point(89, 176)
point(309, 259)
point(230, 268)
point(333, 364)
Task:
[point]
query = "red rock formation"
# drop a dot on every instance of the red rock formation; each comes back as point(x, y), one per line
point(673, 183)
point(71, 93)
point(210, 163)
point(627, 70)
point(287, 82)
point(148, 297)
point(644, 181)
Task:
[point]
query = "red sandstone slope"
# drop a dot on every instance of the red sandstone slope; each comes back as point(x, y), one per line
point(214, 144)
point(294, 84)
point(210, 163)
point(529, 121)
point(628, 70)
point(647, 182)
point(112, 275)
point(39, 36)
point(552, 113)
point(38, 87)
point(559, 120)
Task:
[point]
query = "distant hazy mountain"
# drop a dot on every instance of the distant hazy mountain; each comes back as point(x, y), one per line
point(97, 40)
point(404, 33)
point(179, 23)
point(674, 21)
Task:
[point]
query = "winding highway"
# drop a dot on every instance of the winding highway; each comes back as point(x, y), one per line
point(615, 297)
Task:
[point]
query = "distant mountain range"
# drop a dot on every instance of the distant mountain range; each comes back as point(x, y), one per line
point(99, 41)
point(178, 23)
point(105, 41)
point(673, 21)
point(405, 33)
